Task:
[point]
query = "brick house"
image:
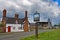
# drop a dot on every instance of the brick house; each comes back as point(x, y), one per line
point(42, 25)
point(15, 24)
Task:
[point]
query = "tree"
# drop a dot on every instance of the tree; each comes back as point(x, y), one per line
point(1, 25)
point(59, 24)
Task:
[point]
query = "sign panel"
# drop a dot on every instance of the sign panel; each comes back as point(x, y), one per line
point(36, 17)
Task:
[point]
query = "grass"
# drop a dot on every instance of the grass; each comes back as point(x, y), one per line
point(51, 35)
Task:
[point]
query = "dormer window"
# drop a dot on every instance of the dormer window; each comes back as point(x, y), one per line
point(16, 22)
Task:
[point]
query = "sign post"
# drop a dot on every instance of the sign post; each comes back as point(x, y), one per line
point(36, 19)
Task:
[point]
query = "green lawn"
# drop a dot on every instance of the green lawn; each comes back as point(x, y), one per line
point(51, 35)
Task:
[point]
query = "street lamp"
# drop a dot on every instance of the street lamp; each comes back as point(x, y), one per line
point(36, 19)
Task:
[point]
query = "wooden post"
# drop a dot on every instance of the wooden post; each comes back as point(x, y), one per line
point(36, 30)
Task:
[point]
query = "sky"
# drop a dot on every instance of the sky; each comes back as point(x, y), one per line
point(46, 8)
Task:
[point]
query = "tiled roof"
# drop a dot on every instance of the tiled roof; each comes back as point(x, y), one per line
point(43, 22)
point(39, 23)
point(10, 20)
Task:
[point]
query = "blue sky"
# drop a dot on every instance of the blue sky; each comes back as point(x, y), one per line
point(57, 1)
point(46, 8)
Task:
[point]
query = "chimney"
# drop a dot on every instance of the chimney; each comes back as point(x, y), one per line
point(4, 13)
point(25, 14)
point(16, 16)
point(3, 19)
point(26, 22)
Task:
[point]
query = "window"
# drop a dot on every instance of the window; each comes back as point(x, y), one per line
point(14, 28)
point(19, 28)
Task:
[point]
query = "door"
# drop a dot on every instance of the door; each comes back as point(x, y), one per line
point(9, 28)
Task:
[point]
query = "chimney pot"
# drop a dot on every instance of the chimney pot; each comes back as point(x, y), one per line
point(16, 16)
point(4, 13)
point(26, 14)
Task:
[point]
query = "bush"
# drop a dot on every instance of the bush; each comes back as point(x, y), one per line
point(1, 25)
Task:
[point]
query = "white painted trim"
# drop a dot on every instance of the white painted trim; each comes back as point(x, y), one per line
point(16, 27)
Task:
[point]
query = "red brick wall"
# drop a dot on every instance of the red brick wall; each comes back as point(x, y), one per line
point(3, 19)
point(26, 22)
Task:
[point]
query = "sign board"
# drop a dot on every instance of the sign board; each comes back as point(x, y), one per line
point(36, 17)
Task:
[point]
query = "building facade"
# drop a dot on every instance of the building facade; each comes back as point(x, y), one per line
point(15, 24)
point(42, 25)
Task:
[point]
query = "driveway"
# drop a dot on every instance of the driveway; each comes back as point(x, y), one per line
point(18, 36)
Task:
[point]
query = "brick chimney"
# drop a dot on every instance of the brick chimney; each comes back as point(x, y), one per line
point(4, 13)
point(26, 22)
point(25, 14)
point(3, 19)
point(16, 16)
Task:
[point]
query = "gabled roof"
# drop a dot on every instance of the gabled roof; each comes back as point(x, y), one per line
point(21, 20)
point(10, 20)
point(39, 23)
point(43, 22)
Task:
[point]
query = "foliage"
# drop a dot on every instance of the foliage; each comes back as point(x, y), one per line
point(57, 24)
point(1, 25)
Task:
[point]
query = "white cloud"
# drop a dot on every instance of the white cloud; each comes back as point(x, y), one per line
point(43, 20)
point(26, 2)
point(50, 7)
point(47, 7)
point(13, 4)
point(0, 19)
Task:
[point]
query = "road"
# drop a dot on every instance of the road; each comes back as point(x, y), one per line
point(18, 36)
